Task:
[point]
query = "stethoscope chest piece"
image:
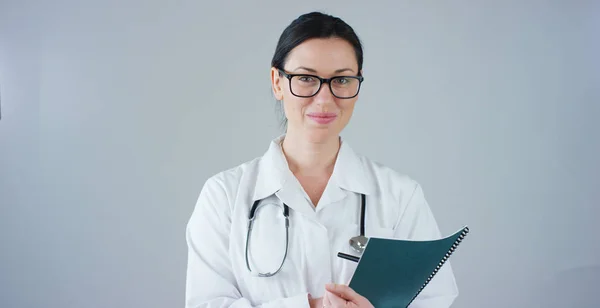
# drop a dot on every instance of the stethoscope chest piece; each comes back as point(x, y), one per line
point(358, 243)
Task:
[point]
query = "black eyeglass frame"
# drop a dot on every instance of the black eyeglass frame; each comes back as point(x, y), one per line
point(321, 82)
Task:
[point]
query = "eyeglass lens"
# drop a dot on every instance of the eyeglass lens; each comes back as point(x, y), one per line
point(343, 87)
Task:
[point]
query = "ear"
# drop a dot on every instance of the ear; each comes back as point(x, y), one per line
point(276, 84)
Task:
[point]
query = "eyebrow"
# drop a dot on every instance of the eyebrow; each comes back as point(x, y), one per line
point(315, 71)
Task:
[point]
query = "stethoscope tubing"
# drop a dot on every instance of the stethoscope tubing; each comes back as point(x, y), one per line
point(286, 215)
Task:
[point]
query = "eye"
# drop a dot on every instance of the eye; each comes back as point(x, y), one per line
point(342, 80)
point(306, 78)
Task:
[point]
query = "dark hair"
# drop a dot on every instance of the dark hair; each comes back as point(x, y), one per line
point(314, 25)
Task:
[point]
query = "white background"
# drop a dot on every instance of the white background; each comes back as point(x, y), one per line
point(114, 113)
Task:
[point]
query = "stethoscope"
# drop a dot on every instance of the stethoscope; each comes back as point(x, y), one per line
point(358, 243)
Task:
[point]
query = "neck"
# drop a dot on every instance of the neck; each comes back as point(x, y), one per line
point(310, 158)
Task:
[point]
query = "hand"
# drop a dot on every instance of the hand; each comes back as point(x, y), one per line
point(315, 302)
point(342, 296)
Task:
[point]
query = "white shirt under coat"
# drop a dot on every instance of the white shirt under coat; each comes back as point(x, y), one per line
point(216, 232)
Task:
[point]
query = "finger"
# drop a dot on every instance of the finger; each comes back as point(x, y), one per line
point(343, 291)
point(338, 302)
point(326, 301)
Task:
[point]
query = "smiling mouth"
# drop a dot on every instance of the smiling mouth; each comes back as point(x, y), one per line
point(322, 118)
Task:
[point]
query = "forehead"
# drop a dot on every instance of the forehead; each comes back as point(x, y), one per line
point(323, 55)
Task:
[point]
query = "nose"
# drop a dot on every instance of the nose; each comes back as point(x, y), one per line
point(324, 94)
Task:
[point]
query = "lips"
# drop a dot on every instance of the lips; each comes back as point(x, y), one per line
point(322, 117)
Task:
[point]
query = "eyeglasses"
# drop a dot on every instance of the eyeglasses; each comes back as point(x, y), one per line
point(303, 85)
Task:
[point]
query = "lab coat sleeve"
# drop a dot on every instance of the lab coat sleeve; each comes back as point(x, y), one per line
point(210, 281)
point(418, 222)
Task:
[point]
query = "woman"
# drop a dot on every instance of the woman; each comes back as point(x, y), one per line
point(321, 181)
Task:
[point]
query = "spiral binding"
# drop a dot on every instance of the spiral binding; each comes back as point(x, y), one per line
point(446, 257)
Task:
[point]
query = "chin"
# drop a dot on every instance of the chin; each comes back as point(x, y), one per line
point(321, 134)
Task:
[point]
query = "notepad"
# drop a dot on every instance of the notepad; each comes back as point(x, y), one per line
point(392, 272)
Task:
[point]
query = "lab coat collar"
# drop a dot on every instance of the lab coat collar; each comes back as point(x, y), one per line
point(273, 171)
point(349, 174)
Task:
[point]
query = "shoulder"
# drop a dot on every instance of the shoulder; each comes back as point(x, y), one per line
point(403, 201)
point(229, 180)
point(389, 180)
point(218, 194)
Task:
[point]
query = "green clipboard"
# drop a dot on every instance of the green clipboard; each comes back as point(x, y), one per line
point(384, 261)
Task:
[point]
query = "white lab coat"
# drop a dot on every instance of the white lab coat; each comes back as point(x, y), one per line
point(217, 275)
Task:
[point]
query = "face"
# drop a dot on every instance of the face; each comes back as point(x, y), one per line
point(322, 117)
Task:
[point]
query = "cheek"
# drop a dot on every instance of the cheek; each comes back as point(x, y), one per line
point(294, 107)
point(347, 109)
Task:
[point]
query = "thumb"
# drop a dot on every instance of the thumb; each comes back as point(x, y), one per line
point(342, 291)
point(337, 301)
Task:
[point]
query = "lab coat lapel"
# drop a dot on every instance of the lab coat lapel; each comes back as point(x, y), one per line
point(274, 177)
point(349, 175)
point(295, 197)
point(332, 193)
point(271, 172)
